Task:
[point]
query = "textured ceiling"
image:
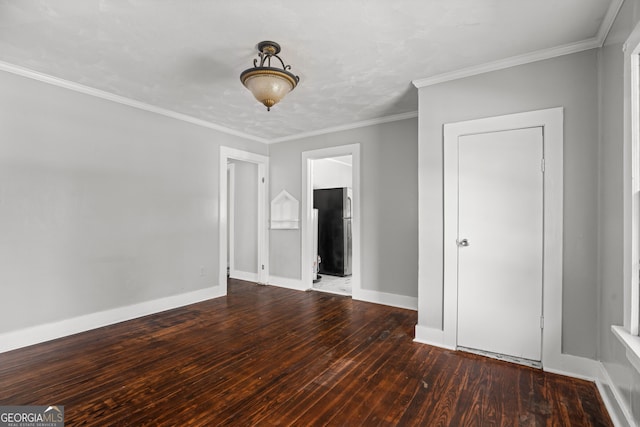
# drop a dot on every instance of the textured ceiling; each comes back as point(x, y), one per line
point(355, 58)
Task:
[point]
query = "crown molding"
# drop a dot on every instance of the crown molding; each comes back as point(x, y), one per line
point(592, 43)
point(355, 125)
point(509, 62)
point(539, 55)
point(608, 20)
point(56, 81)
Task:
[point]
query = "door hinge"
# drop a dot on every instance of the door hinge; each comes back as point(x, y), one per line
point(541, 322)
point(542, 165)
point(263, 179)
point(263, 266)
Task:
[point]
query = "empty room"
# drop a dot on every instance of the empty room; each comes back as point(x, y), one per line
point(349, 213)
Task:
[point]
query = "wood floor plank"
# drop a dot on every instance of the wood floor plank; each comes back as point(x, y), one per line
point(475, 384)
point(359, 349)
point(268, 356)
point(389, 376)
point(393, 406)
point(341, 389)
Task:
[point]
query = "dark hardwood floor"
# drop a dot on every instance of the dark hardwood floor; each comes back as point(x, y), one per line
point(270, 356)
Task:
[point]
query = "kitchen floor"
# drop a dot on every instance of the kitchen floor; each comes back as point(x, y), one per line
point(334, 284)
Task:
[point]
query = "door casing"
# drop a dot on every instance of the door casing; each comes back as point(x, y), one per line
point(551, 120)
point(231, 186)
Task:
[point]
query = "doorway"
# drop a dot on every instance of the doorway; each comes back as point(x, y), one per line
point(332, 226)
point(342, 160)
point(260, 182)
point(243, 184)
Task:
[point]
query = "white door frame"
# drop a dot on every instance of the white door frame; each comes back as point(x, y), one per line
point(551, 120)
point(307, 212)
point(227, 153)
point(231, 234)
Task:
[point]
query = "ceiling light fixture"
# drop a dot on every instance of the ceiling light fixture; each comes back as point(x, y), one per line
point(269, 84)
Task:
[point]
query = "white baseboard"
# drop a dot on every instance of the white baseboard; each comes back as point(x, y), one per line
point(431, 336)
point(563, 364)
point(619, 404)
point(393, 300)
point(286, 282)
point(244, 275)
point(400, 301)
point(573, 366)
point(50, 331)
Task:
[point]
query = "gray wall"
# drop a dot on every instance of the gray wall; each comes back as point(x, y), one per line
point(569, 81)
point(101, 205)
point(245, 218)
point(610, 192)
point(389, 203)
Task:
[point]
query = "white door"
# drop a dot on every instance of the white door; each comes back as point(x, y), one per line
point(500, 242)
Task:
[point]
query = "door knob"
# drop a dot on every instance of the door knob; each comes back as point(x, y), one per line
point(462, 243)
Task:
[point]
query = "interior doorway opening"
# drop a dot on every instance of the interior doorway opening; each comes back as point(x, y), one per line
point(243, 184)
point(332, 183)
point(309, 259)
point(261, 259)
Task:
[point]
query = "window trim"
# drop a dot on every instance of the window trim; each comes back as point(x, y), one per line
point(632, 186)
point(628, 334)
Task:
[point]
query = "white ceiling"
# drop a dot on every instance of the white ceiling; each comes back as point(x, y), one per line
point(356, 58)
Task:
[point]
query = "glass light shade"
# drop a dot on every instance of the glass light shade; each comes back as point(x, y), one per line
point(268, 88)
point(269, 84)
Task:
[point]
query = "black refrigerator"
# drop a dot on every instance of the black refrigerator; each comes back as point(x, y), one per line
point(334, 230)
